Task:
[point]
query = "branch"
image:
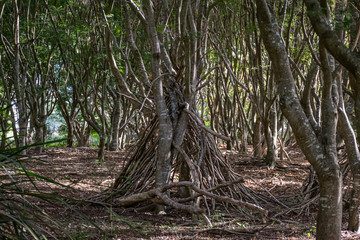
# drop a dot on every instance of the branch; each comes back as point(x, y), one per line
point(196, 118)
point(137, 11)
point(332, 43)
point(162, 198)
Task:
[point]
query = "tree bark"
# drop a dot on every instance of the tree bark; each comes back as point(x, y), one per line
point(19, 83)
point(347, 133)
point(270, 127)
point(163, 164)
point(115, 124)
point(257, 140)
point(320, 151)
point(333, 44)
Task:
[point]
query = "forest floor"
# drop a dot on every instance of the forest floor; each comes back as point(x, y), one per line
point(86, 177)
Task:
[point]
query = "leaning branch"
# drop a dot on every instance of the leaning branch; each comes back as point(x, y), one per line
point(186, 109)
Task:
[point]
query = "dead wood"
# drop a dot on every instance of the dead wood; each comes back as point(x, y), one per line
point(159, 196)
point(211, 177)
point(206, 128)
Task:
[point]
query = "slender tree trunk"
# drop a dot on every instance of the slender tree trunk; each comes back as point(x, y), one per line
point(163, 163)
point(39, 137)
point(3, 128)
point(347, 133)
point(357, 111)
point(271, 139)
point(355, 26)
point(18, 84)
point(257, 139)
point(354, 159)
point(101, 151)
point(40, 124)
point(115, 125)
point(9, 103)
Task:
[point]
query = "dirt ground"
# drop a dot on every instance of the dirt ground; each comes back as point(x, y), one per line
point(86, 178)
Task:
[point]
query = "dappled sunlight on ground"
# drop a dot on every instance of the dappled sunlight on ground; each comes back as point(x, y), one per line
point(85, 177)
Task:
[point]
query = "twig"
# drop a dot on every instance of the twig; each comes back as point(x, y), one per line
point(283, 149)
point(217, 197)
point(204, 127)
point(239, 232)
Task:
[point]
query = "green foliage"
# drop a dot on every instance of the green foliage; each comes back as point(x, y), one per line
point(21, 218)
point(311, 232)
point(94, 139)
point(160, 28)
point(20, 215)
point(251, 27)
point(347, 19)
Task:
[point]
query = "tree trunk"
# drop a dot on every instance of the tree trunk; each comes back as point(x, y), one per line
point(101, 151)
point(257, 139)
point(357, 111)
point(354, 221)
point(271, 138)
point(19, 84)
point(184, 175)
point(330, 205)
point(163, 162)
point(319, 150)
point(350, 60)
point(39, 138)
point(3, 127)
point(84, 139)
point(8, 101)
point(70, 135)
point(115, 125)
point(352, 151)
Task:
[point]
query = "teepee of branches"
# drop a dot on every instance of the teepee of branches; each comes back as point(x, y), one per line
point(202, 176)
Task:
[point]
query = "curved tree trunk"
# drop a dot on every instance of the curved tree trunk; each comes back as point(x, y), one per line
point(347, 133)
point(351, 61)
point(320, 153)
